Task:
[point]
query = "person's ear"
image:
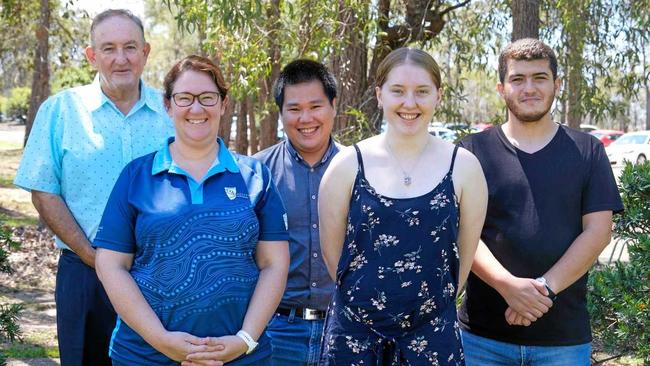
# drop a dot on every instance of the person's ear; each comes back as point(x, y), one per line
point(91, 56)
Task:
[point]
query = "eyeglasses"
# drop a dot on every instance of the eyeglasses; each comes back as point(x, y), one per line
point(206, 99)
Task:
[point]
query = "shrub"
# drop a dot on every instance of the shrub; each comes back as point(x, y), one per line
point(3, 108)
point(9, 313)
point(71, 76)
point(17, 104)
point(619, 295)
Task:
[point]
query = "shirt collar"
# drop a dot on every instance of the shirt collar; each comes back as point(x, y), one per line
point(296, 155)
point(148, 96)
point(163, 161)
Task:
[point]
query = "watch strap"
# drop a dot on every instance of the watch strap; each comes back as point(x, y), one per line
point(250, 342)
point(551, 294)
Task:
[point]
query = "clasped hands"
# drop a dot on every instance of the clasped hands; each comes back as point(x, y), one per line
point(527, 301)
point(197, 351)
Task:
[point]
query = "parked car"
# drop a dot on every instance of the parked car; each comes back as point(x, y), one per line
point(443, 132)
point(633, 146)
point(607, 136)
point(588, 128)
point(482, 126)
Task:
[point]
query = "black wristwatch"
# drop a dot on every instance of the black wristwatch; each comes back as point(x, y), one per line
point(551, 295)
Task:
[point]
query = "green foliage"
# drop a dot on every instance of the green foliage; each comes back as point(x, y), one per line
point(3, 107)
point(619, 296)
point(9, 313)
point(70, 76)
point(352, 134)
point(17, 104)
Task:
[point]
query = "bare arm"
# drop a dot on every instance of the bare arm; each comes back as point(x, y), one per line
point(272, 258)
point(113, 271)
point(473, 205)
point(58, 217)
point(580, 256)
point(583, 252)
point(334, 205)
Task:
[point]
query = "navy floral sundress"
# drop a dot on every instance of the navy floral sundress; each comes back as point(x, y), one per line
point(395, 295)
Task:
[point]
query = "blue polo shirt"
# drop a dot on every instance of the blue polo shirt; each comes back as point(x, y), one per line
point(309, 284)
point(80, 143)
point(193, 245)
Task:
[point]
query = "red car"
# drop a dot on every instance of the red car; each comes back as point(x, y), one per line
point(607, 136)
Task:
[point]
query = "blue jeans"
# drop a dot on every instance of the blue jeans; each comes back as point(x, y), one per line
point(295, 341)
point(480, 351)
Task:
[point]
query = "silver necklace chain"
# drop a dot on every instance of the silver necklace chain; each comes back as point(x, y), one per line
point(408, 178)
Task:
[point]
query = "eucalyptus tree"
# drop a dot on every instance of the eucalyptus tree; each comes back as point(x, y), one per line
point(253, 38)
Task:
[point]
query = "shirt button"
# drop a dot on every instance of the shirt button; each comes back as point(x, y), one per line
point(311, 170)
point(314, 226)
point(315, 255)
point(313, 284)
point(313, 196)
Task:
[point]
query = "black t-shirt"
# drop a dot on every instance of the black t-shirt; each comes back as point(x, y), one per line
point(535, 208)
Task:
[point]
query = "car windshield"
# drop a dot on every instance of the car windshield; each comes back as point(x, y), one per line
point(630, 139)
point(597, 134)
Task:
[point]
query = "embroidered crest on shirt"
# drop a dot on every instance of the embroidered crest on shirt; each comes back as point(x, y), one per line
point(231, 192)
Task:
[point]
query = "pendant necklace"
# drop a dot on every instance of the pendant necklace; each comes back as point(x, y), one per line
point(408, 179)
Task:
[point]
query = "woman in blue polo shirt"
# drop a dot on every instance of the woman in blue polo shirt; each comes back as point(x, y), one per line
point(192, 245)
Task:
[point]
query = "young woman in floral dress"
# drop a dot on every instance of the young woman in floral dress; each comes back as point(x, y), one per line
point(401, 214)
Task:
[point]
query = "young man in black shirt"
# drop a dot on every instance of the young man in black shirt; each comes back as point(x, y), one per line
point(551, 199)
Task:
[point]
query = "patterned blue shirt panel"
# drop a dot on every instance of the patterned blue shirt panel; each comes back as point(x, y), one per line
point(80, 143)
point(193, 262)
point(309, 284)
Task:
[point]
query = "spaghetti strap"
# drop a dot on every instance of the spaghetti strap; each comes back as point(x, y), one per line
point(359, 160)
point(453, 160)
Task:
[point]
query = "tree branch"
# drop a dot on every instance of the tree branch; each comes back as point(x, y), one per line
point(454, 7)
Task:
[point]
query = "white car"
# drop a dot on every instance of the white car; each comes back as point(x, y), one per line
point(443, 132)
point(633, 147)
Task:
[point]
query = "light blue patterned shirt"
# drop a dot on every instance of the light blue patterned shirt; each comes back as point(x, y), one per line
point(80, 142)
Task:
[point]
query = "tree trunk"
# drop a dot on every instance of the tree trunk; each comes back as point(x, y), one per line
point(241, 142)
point(575, 32)
point(41, 79)
point(269, 125)
point(252, 124)
point(647, 104)
point(225, 124)
point(349, 65)
point(381, 50)
point(423, 21)
point(646, 74)
point(525, 19)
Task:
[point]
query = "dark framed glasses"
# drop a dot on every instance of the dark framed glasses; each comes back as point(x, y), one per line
point(206, 99)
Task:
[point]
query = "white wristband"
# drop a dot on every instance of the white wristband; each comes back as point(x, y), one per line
point(248, 340)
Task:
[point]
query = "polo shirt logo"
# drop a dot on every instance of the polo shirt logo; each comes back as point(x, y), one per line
point(231, 192)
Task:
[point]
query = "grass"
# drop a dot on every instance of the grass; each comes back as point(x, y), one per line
point(6, 181)
point(37, 344)
point(18, 221)
point(26, 350)
point(10, 145)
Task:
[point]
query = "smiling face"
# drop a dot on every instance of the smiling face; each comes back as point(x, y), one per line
point(408, 98)
point(118, 53)
point(196, 124)
point(308, 118)
point(528, 89)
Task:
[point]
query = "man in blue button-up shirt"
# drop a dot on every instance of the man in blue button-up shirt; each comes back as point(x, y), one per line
point(81, 139)
point(305, 93)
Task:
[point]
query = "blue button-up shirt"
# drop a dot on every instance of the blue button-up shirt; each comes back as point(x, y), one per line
point(309, 284)
point(80, 143)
